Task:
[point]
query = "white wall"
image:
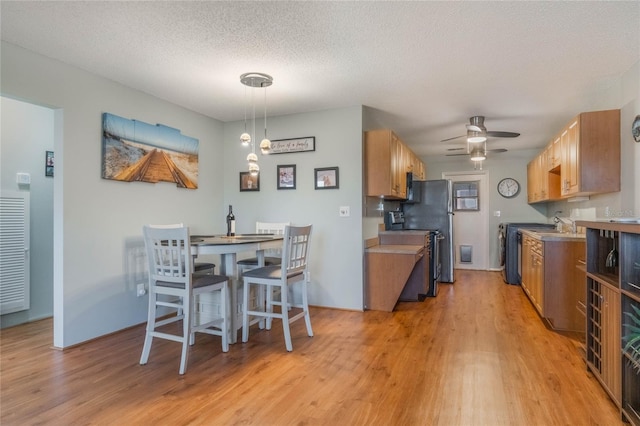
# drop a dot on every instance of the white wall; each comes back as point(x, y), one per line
point(27, 133)
point(97, 231)
point(337, 243)
point(97, 222)
point(498, 166)
point(625, 203)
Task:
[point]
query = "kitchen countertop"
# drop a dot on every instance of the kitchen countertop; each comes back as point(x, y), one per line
point(611, 225)
point(406, 232)
point(539, 234)
point(395, 249)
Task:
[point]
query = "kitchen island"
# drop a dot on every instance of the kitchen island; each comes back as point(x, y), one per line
point(388, 268)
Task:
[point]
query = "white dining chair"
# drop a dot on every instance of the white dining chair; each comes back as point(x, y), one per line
point(272, 256)
point(174, 285)
point(293, 270)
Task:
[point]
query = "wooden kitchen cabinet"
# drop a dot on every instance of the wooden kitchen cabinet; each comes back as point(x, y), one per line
point(387, 162)
point(613, 287)
point(591, 154)
point(533, 272)
point(603, 336)
point(584, 159)
point(554, 153)
point(549, 280)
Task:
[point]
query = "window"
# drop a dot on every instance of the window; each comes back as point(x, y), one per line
point(465, 195)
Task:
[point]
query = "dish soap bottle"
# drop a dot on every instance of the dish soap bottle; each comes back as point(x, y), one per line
point(231, 223)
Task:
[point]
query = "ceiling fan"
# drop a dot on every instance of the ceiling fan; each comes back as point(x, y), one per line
point(476, 132)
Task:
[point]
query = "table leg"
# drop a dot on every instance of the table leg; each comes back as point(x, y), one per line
point(229, 268)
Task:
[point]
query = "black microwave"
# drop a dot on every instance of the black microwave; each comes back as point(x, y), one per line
point(413, 190)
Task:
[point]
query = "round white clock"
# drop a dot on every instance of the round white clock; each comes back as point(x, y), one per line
point(508, 187)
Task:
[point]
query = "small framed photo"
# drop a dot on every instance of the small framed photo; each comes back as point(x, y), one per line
point(248, 182)
point(287, 176)
point(48, 164)
point(326, 178)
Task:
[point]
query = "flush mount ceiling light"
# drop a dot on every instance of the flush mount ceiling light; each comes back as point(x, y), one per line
point(262, 81)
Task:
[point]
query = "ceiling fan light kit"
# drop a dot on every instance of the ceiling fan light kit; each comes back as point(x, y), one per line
point(475, 136)
point(478, 153)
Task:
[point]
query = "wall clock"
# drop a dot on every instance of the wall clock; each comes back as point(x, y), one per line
point(508, 187)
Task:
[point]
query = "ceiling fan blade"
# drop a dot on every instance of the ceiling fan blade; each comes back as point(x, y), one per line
point(450, 139)
point(453, 155)
point(497, 134)
point(474, 128)
point(497, 150)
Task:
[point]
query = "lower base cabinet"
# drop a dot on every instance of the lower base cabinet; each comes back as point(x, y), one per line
point(613, 312)
point(550, 280)
point(603, 336)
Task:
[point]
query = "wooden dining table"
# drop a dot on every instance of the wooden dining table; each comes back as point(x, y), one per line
point(228, 248)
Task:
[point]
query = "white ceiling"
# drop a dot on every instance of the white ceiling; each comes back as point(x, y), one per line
point(425, 66)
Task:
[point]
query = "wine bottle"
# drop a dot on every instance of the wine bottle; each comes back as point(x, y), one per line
point(231, 223)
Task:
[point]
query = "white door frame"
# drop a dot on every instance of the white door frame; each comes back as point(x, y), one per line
point(484, 207)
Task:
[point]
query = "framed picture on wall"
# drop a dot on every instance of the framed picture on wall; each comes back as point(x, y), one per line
point(48, 164)
point(287, 176)
point(248, 182)
point(326, 178)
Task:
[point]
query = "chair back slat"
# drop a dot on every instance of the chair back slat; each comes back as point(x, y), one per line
point(168, 251)
point(276, 228)
point(295, 249)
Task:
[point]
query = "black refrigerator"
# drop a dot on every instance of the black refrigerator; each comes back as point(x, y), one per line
point(433, 210)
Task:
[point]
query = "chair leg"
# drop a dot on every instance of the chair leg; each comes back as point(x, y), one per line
point(269, 305)
point(285, 318)
point(186, 333)
point(305, 306)
point(245, 310)
point(151, 318)
point(260, 303)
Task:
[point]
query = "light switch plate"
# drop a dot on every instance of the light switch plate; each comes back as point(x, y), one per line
point(23, 178)
point(345, 211)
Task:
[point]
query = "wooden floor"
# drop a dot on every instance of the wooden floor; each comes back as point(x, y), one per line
point(477, 354)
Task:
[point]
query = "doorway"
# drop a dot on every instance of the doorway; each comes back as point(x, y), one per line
point(470, 219)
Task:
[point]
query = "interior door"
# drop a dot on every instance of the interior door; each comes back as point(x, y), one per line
point(470, 219)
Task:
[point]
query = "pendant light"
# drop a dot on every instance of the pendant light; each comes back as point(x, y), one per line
point(265, 145)
point(255, 80)
point(245, 138)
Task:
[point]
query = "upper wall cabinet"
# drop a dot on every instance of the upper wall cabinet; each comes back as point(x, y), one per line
point(591, 154)
point(387, 162)
point(583, 159)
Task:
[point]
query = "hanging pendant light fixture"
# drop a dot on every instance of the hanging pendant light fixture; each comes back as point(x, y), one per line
point(245, 138)
point(265, 145)
point(255, 80)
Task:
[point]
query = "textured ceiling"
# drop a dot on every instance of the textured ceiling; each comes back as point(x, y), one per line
point(424, 67)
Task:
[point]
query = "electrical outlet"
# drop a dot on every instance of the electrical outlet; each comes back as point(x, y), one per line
point(345, 211)
point(141, 290)
point(496, 213)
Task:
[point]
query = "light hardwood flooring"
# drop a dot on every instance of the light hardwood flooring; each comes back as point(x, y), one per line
point(477, 354)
